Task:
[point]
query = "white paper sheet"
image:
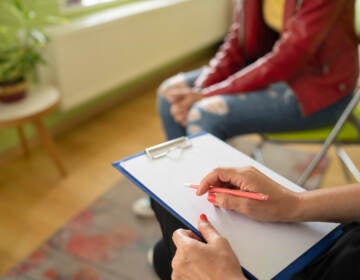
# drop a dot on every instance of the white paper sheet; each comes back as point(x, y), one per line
point(264, 249)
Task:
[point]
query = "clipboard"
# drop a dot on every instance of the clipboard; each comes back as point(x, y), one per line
point(265, 250)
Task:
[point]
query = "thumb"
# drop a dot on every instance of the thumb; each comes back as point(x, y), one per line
point(181, 236)
point(206, 229)
point(175, 96)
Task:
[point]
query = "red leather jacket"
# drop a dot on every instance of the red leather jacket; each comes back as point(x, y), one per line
point(316, 53)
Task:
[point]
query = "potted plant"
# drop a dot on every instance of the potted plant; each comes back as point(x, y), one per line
point(22, 41)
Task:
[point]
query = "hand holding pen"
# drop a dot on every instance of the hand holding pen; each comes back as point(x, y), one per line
point(233, 192)
point(248, 191)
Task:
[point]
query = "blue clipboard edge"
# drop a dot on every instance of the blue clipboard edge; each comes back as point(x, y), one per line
point(295, 267)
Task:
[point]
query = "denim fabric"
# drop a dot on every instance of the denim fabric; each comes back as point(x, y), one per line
point(272, 109)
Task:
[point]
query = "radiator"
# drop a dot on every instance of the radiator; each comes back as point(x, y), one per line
point(93, 55)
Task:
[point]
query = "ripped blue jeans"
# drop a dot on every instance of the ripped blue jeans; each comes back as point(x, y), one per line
point(272, 109)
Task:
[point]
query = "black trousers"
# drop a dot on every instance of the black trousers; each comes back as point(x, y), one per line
point(340, 261)
point(164, 250)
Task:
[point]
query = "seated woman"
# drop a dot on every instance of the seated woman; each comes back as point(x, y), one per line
point(284, 66)
point(270, 75)
point(338, 204)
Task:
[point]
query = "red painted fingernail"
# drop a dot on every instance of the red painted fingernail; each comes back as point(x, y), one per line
point(203, 217)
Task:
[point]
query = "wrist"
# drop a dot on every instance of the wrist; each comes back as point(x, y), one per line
point(295, 212)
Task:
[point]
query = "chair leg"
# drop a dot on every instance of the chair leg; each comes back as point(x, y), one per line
point(348, 164)
point(345, 169)
point(257, 151)
point(347, 175)
point(313, 164)
point(329, 140)
point(355, 122)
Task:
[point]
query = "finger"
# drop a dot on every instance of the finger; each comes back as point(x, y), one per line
point(178, 80)
point(173, 95)
point(231, 176)
point(181, 236)
point(183, 122)
point(177, 113)
point(218, 177)
point(207, 230)
point(179, 271)
point(185, 104)
point(230, 202)
point(170, 85)
point(209, 180)
point(181, 119)
point(176, 276)
point(178, 95)
point(175, 98)
point(228, 178)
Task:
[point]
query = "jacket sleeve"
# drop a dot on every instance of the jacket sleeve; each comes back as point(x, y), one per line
point(299, 41)
point(241, 45)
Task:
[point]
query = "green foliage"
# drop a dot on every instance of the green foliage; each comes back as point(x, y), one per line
point(22, 40)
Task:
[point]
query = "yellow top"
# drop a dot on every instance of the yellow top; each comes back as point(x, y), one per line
point(273, 13)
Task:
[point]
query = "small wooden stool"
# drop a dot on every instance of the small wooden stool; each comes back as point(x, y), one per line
point(39, 101)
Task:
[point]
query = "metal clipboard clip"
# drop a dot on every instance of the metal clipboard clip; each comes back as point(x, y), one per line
point(161, 150)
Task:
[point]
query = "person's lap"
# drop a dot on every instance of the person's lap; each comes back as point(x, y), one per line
point(272, 109)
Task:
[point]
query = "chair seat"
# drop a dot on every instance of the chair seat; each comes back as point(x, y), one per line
point(347, 134)
point(345, 131)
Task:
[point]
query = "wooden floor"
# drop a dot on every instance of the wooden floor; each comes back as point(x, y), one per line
point(35, 201)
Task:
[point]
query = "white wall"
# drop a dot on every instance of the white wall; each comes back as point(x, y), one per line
point(95, 54)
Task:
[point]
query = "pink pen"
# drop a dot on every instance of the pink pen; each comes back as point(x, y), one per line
point(238, 193)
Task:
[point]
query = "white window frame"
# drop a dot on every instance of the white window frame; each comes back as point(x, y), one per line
point(82, 5)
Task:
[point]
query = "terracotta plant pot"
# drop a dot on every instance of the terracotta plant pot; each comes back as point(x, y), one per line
point(12, 91)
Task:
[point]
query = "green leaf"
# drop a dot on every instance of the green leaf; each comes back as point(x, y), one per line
point(23, 14)
point(18, 5)
point(39, 37)
point(55, 20)
point(22, 41)
point(14, 11)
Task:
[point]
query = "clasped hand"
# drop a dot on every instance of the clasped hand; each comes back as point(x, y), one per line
point(181, 101)
point(181, 97)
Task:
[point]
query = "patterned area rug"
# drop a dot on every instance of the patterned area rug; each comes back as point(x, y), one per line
point(106, 241)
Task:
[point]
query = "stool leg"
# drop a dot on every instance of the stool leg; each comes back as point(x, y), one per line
point(23, 142)
point(49, 145)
